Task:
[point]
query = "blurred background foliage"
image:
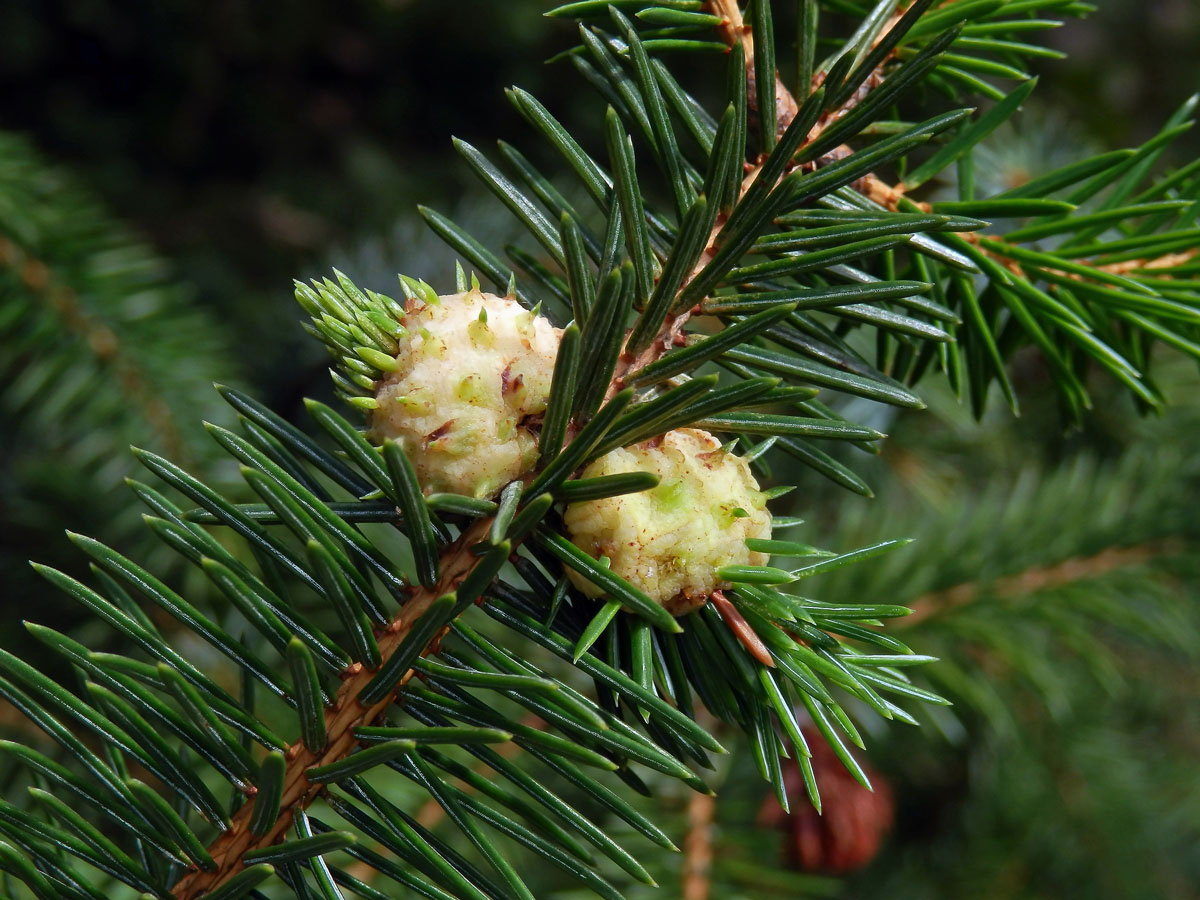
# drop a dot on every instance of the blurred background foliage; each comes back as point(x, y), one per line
point(248, 144)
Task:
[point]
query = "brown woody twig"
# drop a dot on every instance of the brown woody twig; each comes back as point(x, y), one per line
point(99, 338)
point(1039, 578)
point(346, 714)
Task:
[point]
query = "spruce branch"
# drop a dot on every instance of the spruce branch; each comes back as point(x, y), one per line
point(456, 564)
point(1005, 250)
point(886, 194)
point(346, 713)
point(733, 29)
point(1042, 578)
point(98, 337)
point(1119, 285)
point(67, 272)
point(669, 335)
point(697, 848)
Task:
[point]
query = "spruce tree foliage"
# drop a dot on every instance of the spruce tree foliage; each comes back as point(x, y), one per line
point(1062, 610)
point(385, 635)
point(99, 348)
point(1061, 606)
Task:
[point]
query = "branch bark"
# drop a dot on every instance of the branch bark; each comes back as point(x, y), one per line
point(99, 338)
point(346, 714)
point(1040, 578)
point(733, 30)
point(697, 847)
point(889, 195)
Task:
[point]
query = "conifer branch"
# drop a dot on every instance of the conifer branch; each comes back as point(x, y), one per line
point(347, 711)
point(346, 714)
point(1041, 578)
point(101, 340)
point(697, 848)
point(733, 30)
point(892, 196)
